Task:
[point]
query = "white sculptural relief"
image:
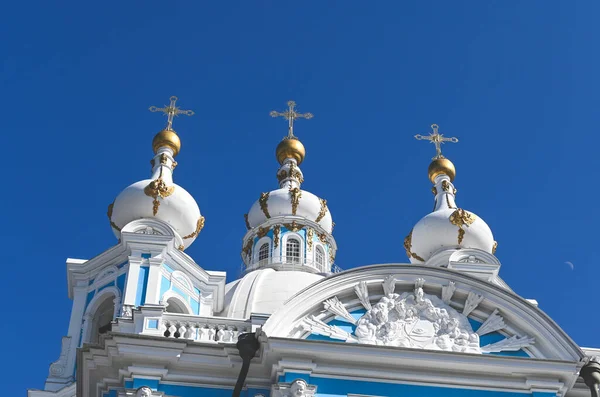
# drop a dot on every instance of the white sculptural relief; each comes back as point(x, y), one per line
point(143, 391)
point(298, 388)
point(419, 321)
point(415, 320)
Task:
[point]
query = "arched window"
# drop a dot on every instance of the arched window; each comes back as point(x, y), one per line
point(320, 258)
point(173, 306)
point(292, 250)
point(263, 252)
point(102, 320)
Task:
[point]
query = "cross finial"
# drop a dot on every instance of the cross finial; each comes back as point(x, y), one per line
point(437, 139)
point(290, 115)
point(171, 111)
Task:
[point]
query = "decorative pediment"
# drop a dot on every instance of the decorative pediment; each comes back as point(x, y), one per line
point(414, 320)
point(421, 307)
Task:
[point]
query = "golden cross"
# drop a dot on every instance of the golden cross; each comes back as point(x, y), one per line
point(437, 139)
point(171, 111)
point(291, 115)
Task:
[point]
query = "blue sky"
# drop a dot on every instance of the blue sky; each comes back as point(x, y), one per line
point(516, 82)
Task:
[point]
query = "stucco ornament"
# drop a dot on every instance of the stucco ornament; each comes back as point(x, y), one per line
point(414, 320)
point(143, 391)
point(298, 388)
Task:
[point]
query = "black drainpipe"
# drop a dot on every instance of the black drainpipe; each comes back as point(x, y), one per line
point(247, 345)
point(591, 375)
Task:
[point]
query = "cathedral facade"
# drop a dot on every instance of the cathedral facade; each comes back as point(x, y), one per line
point(147, 320)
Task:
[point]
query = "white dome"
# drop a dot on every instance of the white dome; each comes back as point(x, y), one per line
point(279, 203)
point(179, 210)
point(436, 231)
point(264, 291)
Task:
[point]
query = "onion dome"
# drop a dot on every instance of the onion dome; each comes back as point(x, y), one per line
point(448, 226)
point(289, 213)
point(159, 197)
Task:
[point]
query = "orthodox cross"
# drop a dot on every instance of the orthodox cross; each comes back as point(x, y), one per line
point(437, 139)
point(291, 115)
point(171, 111)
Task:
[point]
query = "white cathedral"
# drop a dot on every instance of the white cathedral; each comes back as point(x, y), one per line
point(147, 320)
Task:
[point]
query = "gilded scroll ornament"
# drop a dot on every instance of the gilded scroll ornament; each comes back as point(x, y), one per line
point(262, 201)
point(248, 247)
point(276, 231)
point(309, 238)
point(109, 214)
point(461, 235)
point(199, 227)
point(408, 248)
point(331, 256)
point(448, 201)
point(445, 185)
point(322, 211)
point(181, 247)
point(158, 188)
point(322, 237)
point(434, 190)
point(163, 159)
point(461, 217)
point(281, 175)
point(262, 232)
point(247, 223)
point(295, 194)
point(494, 247)
point(294, 226)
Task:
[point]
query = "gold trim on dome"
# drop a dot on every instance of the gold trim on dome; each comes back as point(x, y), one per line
point(445, 185)
point(181, 247)
point(408, 248)
point(295, 195)
point(276, 231)
point(322, 211)
point(309, 238)
point(163, 159)
point(461, 217)
point(294, 226)
point(494, 247)
point(262, 201)
point(461, 235)
point(448, 200)
point(109, 214)
point(199, 227)
point(332, 226)
point(158, 188)
point(281, 175)
point(331, 256)
point(247, 223)
point(434, 190)
point(262, 232)
point(322, 237)
point(173, 165)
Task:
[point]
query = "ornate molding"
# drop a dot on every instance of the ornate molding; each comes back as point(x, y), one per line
point(414, 320)
point(247, 222)
point(494, 322)
point(309, 238)
point(408, 248)
point(298, 388)
point(461, 218)
point(199, 227)
point(262, 201)
point(276, 231)
point(322, 237)
point(294, 226)
point(109, 213)
point(331, 256)
point(322, 211)
point(262, 232)
point(57, 368)
point(248, 247)
point(295, 195)
point(445, 185)
point(158, 188)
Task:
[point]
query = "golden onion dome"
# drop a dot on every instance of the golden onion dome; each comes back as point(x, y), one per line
point(167, 138)
point(290, 147)
point(441, 166)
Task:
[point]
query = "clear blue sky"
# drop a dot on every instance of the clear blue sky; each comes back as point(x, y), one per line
point(516, 81)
